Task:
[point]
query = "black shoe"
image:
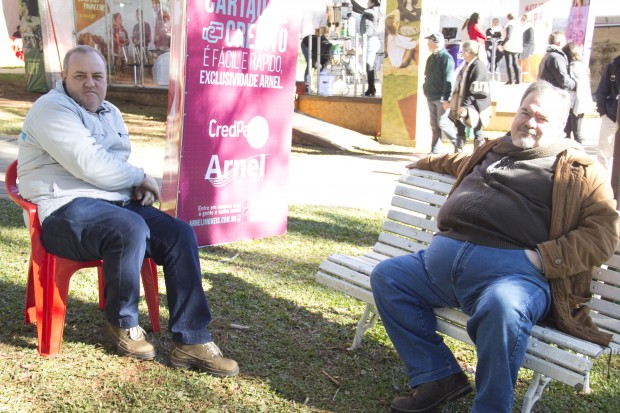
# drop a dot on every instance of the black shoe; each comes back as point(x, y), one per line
point(508, 83)
point(430, 395)
point(370, 92)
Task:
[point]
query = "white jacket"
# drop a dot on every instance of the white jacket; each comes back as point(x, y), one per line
point(67, 152)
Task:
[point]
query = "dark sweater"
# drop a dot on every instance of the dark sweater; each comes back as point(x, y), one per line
point(438, 73)
point(505, 202)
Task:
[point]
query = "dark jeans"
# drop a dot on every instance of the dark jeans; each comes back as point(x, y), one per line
point(573, 126)
point(512, 66)
point(502, 292)
point(478, 137)
point(89, 229)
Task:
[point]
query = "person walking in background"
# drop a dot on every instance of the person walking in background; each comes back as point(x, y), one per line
point(528, 42)
point(582, 96)
point(607, 95)
point(474, 31)
point(554, 66)
point(17, 34)
point(470, 105)
point(371, 26)
point(438, 78)
point(493, 40)
point(512, 43)
point(401, 50)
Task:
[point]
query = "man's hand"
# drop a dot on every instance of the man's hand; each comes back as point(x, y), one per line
point(412, 165)
point(148, 192)
point(534, 258)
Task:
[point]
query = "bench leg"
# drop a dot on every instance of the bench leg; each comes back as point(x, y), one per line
point(534, 392)
point(364, 324)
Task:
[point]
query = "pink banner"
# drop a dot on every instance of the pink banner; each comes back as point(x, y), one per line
point(236, 127)
point(580, 28)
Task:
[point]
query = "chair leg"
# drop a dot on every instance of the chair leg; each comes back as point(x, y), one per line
point(51, 310)
point(31, 306)
point(151, 291)
point(101, 281)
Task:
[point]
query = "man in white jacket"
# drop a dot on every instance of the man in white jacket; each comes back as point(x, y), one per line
point(93, 204)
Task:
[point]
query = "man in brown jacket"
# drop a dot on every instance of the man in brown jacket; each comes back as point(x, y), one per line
point(529, 216)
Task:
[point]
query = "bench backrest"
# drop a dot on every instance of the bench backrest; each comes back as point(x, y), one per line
point(411, 223)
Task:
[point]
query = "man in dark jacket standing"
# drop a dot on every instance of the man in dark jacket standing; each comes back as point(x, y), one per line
point(554, 65)
point(439, 74)
point(607, 106)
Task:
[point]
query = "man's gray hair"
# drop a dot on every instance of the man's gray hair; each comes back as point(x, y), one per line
point(80, 49)
point(542, 87)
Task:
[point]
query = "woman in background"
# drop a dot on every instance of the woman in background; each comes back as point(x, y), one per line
point(474, 31)
point(582, 96)
point(512, 42)
point(371, 27)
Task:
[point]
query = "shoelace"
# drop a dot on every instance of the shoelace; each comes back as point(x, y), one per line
point(136, 333)
point(213, 349)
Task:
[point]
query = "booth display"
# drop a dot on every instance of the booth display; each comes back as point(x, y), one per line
point(132, 36)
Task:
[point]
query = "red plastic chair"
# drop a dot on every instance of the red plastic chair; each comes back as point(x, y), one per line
point(47, 288)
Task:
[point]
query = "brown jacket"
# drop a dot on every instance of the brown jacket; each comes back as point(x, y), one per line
point(583, 234)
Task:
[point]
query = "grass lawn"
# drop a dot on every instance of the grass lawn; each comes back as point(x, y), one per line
point(292, 349)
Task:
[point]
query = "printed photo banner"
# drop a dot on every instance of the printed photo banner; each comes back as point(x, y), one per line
point(236, 134)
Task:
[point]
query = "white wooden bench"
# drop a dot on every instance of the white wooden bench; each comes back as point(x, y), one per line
point(409, 227)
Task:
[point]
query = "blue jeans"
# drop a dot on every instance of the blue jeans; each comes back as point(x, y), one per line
point(90, 229)
point(440, 123)
point(502, 292)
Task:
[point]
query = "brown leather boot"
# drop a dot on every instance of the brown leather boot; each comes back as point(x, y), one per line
point(206, 357)
point(430, 395)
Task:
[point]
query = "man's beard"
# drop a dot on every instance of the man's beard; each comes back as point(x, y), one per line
point(528, 141)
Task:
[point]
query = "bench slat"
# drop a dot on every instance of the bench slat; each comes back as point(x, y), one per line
point(419, 195)
point(604, 307)
point(432, 185)
point(607, 291)
point(345, 287)
point(606, 275)
point(608, 323)
point(614, 261)
point(428, 174)
point(377, 256)
point(348, 265)
point(408, 233)
point(575, 380)
point(401, 245)
point(410, 205)
point(412, 220)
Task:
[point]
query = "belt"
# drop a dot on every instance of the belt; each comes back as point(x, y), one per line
point(121, 204)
